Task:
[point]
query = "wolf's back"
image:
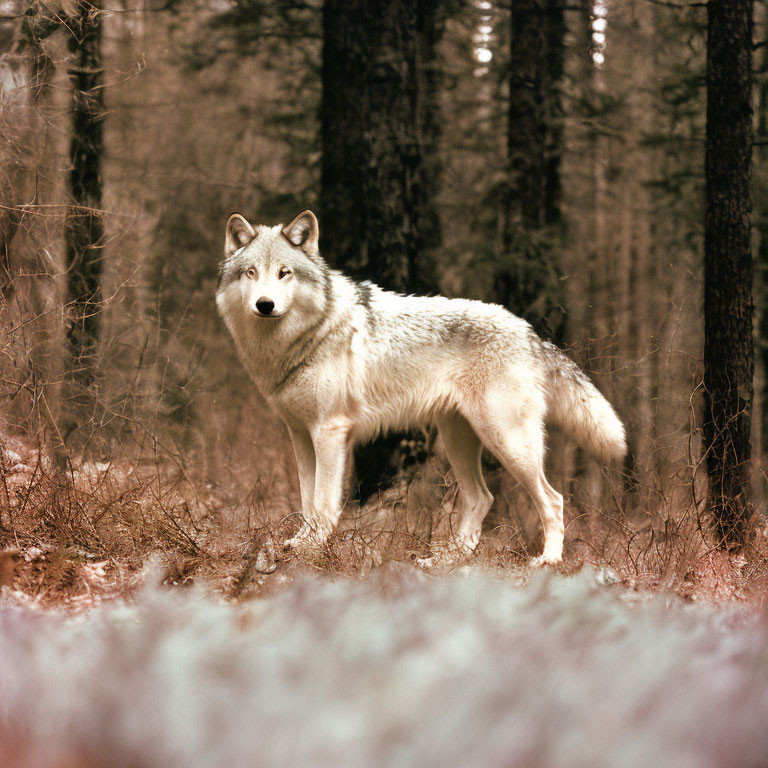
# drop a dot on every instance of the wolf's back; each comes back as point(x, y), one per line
point(575, 404)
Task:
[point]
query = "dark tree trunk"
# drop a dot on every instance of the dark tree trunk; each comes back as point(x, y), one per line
point(341, 209)
point(379, 129)
point(728, 345)
point(22, 45)
point(84, 226)
point(534, 129)
point(761, 277)
point(11, 155)
point(527, 280)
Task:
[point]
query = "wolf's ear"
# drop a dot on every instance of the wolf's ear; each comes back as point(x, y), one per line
point(303, 232)
point(239, 233)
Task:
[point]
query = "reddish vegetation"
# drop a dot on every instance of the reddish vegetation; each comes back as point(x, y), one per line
point(83, 535)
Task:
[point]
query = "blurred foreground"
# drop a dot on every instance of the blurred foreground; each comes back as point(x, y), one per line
point(406, 669)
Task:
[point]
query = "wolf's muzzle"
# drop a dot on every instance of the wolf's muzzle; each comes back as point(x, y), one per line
point(265, 306)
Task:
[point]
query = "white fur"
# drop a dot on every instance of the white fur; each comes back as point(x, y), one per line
point(343, 362)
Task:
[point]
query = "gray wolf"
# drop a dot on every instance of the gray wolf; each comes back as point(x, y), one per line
point(341, 361)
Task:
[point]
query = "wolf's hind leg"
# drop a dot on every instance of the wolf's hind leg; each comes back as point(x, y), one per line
point(464, 450)
point(554, 536)
point(520, 448)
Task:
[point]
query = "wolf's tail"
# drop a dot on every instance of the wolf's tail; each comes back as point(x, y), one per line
point(575, 404)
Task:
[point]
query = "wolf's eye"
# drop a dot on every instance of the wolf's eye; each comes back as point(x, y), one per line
point(251, 273)
point(284, 272)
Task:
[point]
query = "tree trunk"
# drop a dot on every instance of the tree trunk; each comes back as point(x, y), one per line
point(84, 226)
point(379, 130)
point(341, 209)
point(728, 345)
point(30, 69)
point(637, 304)
point(30, 182)
point(527, 281)
point(534, 131)
point(761, 276)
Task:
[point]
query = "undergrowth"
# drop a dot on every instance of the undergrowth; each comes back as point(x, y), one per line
point(82, 535)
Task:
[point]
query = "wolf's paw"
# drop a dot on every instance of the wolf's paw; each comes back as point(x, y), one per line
point(544, 559)
point(446, 555)
point(306, 540)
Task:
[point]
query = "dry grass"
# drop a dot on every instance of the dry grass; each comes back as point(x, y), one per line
point(73, 538)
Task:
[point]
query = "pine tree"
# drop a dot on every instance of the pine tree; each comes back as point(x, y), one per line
point(378, 131)
point(527, 281)
point(728, 345)
point(84, 226)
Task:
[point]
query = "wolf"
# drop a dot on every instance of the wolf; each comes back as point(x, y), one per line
point(341, 361)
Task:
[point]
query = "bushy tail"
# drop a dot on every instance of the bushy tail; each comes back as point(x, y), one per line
point(576, 405)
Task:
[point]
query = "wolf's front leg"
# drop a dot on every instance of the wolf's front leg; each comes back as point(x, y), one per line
point(305, 463)
point(330, 440)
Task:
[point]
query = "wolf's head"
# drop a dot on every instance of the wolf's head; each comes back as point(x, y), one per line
point(270, 273)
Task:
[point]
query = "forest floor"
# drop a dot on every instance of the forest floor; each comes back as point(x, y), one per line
point(71, 539)
point(146, 621)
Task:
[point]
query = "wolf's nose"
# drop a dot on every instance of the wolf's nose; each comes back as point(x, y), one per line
point(265, 305)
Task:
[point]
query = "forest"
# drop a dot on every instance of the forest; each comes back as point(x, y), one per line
point(596, 167)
